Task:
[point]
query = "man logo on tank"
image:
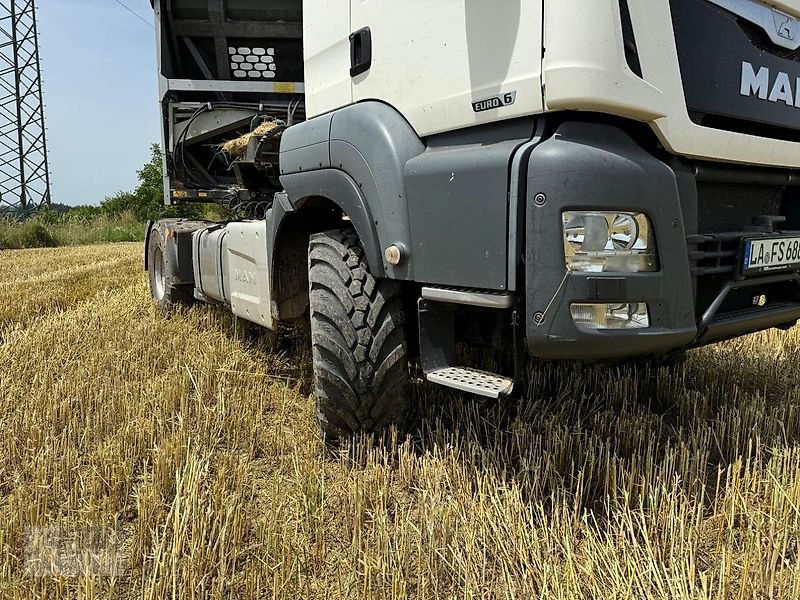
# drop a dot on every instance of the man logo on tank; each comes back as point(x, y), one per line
point(243, 276)
point(770, 87)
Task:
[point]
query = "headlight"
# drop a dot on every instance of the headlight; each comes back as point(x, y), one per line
point(599, 242)
point(611, 316)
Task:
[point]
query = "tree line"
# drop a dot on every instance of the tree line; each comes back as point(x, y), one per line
point(144, 203)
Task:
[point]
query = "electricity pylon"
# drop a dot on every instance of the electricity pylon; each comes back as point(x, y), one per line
point(24, 172)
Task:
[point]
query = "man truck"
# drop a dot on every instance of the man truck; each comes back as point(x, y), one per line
point(564, 179)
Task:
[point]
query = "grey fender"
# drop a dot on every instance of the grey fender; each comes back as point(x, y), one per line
point(340, 188)
point(306, 146)
point(368, 146)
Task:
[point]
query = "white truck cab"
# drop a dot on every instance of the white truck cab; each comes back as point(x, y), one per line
point(563, 179)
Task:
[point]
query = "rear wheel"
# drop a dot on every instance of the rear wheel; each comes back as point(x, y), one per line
point(161, 271)
point(358, 338)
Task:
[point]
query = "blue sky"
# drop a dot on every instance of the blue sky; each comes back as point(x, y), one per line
point(101, 95)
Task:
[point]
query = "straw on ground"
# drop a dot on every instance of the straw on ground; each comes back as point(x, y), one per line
point(601, 483)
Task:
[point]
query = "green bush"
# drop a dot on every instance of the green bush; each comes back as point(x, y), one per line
point(119, 218)
point(146, 202)
point(82, 214)
point(30, 234)
point(35, 234)
point(100, 230)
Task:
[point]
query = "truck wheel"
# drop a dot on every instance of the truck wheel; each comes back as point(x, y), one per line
point(160, 272)
point(358, 338)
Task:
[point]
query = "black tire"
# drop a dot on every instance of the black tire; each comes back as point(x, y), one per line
point(358, 339)
point(160, 272)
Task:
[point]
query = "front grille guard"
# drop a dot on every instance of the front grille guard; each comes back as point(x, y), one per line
point(713, 309)
point(718, 255)
point(714, 327)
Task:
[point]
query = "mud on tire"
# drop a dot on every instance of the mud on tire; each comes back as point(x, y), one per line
point(358, 340)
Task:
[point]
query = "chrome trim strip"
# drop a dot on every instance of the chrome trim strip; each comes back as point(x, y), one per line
point(783, 30)
point(469, 297)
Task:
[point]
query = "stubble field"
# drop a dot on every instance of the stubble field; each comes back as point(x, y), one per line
point(189, 446)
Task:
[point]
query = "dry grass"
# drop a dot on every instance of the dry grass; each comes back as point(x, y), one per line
point(238, 147)
point(198, 445)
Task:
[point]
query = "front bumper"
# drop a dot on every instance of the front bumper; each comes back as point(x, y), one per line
point(591, 166)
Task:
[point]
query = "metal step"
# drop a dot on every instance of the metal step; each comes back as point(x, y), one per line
point(469, 297)
point(473, 381)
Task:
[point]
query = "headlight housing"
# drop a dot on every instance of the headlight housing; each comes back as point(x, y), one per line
point(600, 241)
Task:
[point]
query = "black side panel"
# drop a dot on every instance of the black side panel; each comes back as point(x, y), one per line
point(306, 146)
point(445, 205)
point(458, 205)
point(715, 49)
point(372, 142)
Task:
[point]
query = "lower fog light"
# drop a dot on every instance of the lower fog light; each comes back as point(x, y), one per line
point(610, 316)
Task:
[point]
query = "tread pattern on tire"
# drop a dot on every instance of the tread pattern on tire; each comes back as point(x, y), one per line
point(358, 340)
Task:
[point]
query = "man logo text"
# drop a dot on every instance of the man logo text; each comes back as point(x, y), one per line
point(777, 87)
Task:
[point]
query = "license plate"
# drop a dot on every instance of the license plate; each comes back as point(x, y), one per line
point(765, 255)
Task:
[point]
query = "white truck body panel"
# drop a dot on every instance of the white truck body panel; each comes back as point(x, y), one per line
point(210, 263)
point(248, 272)
point(430, 60)
point(326, 52)
point(593, 75)
point(231, 267)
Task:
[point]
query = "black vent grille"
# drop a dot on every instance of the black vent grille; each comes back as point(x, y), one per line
point(744, 126)
point(761, 40)
point(714, 254)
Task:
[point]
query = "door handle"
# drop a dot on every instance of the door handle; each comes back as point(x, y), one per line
point(360, 51)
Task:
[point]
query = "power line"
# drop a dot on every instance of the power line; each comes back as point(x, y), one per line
point(135, 14)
